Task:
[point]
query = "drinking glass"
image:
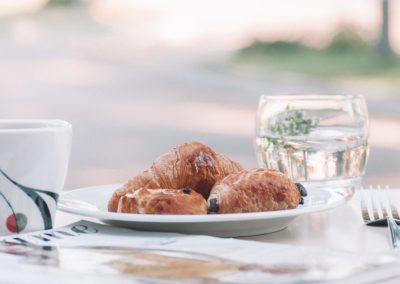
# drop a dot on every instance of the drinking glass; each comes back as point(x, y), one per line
point(320, 140)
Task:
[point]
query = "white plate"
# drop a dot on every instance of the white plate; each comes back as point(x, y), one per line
point(92, 202)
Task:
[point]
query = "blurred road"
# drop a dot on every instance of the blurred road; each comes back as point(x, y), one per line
point(128, 104)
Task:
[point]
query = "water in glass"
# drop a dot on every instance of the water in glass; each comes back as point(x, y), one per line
point(308, 149)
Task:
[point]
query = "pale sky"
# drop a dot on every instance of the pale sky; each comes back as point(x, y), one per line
point(228, 24)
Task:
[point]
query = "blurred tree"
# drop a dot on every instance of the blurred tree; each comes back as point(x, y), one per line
point(384, 48)
point(63, 2)
point(347, 41)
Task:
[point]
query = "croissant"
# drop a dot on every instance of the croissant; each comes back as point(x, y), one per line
point(163, 201)
point(191, 165)
point(254, 191)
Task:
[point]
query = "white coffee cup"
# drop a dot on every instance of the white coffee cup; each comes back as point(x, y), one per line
point(34, 157)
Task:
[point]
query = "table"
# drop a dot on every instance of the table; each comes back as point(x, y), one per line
point(340, 229)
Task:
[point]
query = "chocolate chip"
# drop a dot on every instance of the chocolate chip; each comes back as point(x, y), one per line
point(302, 189)
point(186, 190)
point(214, 207)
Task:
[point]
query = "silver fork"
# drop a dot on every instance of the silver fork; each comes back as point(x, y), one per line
point(377, 210)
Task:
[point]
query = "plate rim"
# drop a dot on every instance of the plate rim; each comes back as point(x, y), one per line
point(209, 218)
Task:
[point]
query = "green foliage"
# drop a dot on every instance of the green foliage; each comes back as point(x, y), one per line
point(294, 123)
point(348, 54)
point(291, 123)
point(347, 41)
point(62, 2)
point(259, 46)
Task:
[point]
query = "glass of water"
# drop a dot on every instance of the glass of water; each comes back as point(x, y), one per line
point(320, 140)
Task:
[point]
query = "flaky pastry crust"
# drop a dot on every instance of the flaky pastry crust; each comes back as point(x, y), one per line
point(162, 201)
point(191, 165)
point(253, 191)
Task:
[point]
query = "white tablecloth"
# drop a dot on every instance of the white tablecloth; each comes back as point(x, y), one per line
point(341, 229)
point(325, 239)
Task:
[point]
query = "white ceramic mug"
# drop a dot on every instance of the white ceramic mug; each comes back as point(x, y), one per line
point(34, 157)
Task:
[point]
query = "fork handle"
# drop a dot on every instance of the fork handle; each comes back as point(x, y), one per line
point(394, 232)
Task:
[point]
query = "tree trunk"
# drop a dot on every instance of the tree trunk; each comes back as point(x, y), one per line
point(384, 48)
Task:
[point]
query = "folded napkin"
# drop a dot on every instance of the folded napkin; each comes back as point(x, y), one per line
point(92, 252)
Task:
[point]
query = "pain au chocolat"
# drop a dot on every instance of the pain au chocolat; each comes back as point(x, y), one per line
point(163, 201)
point(194, 179)
point(255, 190)
point(192, 165)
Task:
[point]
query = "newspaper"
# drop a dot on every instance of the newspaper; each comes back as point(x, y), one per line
point(96, 253)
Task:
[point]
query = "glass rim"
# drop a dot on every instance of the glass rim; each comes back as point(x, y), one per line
point(312, 96)
point(32, 125)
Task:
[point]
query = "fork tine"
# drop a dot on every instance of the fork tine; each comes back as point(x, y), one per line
point(376, 207)
point(395, 212)
point(364, 206)
point(382, 200)
point(393, 209)
point(374, 204)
